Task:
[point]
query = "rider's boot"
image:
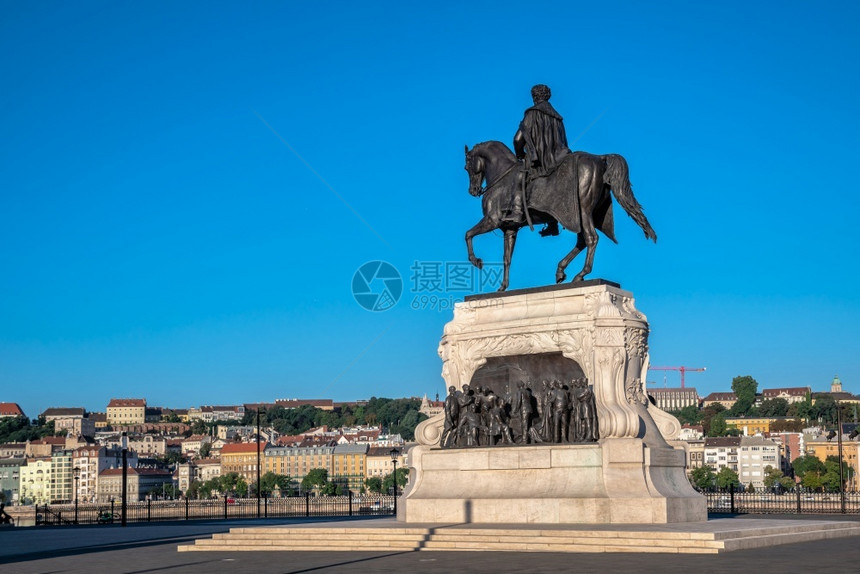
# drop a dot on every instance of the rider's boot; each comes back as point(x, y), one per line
point(550, 229)
point(516, 212)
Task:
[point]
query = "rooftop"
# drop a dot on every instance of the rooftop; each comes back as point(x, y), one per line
point(10, 410)
point(114, 403)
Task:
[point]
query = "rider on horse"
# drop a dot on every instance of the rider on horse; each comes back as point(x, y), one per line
point(541, 143)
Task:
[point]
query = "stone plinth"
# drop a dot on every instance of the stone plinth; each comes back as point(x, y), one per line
point(632, 475)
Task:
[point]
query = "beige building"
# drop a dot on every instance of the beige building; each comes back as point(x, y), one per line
point(92, 460)
point(72, 420)
point(140, 481)
point(750, 426)
point(149, 446)
point(297, 461)
point(36, 481)
point(191, 446)
point(722, 452)
point(431, 408)
point(99, 420)
point(674, 399)
point(242, 458)
point(728, 400)
point(126, 412)
point(211, 414)
point(44, 447)
point(62, 477)
point(322, 404)
point(349, 465)
point(695, 451)
point(207, 468)
point(379, 462)
point(755, 454)
point(821, 449)
point(790, 394)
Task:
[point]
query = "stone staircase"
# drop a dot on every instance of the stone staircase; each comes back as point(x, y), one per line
point(696, 538)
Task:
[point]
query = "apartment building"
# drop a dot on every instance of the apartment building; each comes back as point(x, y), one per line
point(296, 462)
point(722, 452)
point(755, 454)
point(242, 458)
point(674, 399)
point(349, 466)
point(126, 412)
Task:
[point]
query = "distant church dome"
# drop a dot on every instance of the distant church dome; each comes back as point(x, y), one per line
point(836, 385)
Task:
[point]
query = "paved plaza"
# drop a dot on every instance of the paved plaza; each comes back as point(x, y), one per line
point(151, 548)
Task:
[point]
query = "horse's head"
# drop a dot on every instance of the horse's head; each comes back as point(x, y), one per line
point(475, 169)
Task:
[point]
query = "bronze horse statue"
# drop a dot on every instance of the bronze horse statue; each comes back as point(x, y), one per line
point(578, 195)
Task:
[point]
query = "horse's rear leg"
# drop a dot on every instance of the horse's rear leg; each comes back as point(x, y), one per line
point(510, 241)
point(591, 246)
point(562, 265)
point(481, 227)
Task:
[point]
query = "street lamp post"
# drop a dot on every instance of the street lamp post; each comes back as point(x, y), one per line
point(258, 461)
point(124, 507)
point(841, 471)
point(77, 472)
point(394, 455)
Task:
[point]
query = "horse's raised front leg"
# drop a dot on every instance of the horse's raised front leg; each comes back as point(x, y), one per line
point(481, 227)
point(591, 246)
point(562, 265)
point(510, 242)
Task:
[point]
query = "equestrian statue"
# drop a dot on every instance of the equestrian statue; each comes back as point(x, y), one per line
point(546, 183)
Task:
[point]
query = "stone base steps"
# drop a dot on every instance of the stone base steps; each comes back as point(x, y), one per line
point(694, 539)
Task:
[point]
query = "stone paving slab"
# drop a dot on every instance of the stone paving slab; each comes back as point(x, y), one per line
point(152, 549)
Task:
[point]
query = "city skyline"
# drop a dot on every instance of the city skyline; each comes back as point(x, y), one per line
point(188, 191)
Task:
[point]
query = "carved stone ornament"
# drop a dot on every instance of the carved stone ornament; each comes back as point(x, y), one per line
point(597, 326)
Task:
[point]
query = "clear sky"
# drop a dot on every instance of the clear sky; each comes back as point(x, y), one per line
point(187, 189)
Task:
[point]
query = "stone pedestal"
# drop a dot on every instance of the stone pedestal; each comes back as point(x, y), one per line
point(632, 475)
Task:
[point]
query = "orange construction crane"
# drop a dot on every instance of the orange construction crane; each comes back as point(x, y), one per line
point(683, 370)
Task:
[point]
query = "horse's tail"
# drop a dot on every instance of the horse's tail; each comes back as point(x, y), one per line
point(617, 178)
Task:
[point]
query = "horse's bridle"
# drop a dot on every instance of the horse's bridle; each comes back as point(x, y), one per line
point(498, 179)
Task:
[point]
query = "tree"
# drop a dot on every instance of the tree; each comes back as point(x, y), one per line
point(703, 477)
point(689, 415)
point(20, 429)
point(271, 481)
point(315, 478)
point(777, 407)
point(718, 424)
point(167, 491)
point(774, 478)
point(199, 427)
point(388, 481)
point(807, 465)
point(830, 479)
point(374, 484)
point(824, 409)
point(173, 457)
point(802, 409)
point(205, 449)
point(329, 489)
point(193, 489)
point(727, 477)
point(708, 414)
point(811, 480)
point(745, 390)
point(232, 483)
point(787, 425)
point(750, 488)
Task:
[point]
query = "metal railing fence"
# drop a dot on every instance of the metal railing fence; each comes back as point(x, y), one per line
point(222, 508)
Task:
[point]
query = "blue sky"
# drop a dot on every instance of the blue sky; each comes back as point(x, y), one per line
point(180, 184)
